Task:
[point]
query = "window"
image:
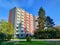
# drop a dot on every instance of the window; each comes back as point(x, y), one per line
point(17, 35)
point(21, 34)
point(18, 9)
point(22, 27)
point(18, 17)
point(17, 31)
point(22, 21)
point(22, 18)
point(22, 11)
point(18, 21)
point(17, 27)
point(18, 12)
point(21, 30)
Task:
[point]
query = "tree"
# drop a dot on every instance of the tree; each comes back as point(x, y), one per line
point(3, 25)
point(46, 34)
point(57, 32)
point(45, 21)
point(6, 29)
point(28, 38)
point(41, 23)
point(49, 22)
point(41, 18)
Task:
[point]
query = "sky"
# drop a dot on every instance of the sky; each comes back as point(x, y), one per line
point(51, 7)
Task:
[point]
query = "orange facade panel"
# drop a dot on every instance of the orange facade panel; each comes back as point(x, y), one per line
point(10, 17)
point(31, 30)
point(29, 24)
point(25, 22)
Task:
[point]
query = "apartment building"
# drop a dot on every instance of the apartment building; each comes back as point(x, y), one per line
point(35, 21)
point(22, 22)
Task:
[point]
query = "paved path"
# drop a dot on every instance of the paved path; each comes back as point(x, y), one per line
point(36, 40)
point(45, 39)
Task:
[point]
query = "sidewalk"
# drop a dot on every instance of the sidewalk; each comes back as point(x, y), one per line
point(36, 40)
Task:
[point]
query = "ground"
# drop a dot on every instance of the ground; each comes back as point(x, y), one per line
point(33, 43)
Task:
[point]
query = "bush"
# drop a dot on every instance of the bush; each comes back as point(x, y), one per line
point(28, 39)
point(8, 37)
point(2, 36)
point(47, 34)
point(1, 41)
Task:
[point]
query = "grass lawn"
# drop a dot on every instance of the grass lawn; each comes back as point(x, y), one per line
point(33, 43)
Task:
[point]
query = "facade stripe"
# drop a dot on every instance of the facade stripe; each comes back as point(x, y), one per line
point(24, 21)
point(10, 17)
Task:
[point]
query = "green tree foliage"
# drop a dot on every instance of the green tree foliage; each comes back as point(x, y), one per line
point(47, 34)
point(6, 29)
point(2, 36)
point(41, 18)
point(28, 39)
point(57, 32)
point(45, 21)
point(49, 22)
